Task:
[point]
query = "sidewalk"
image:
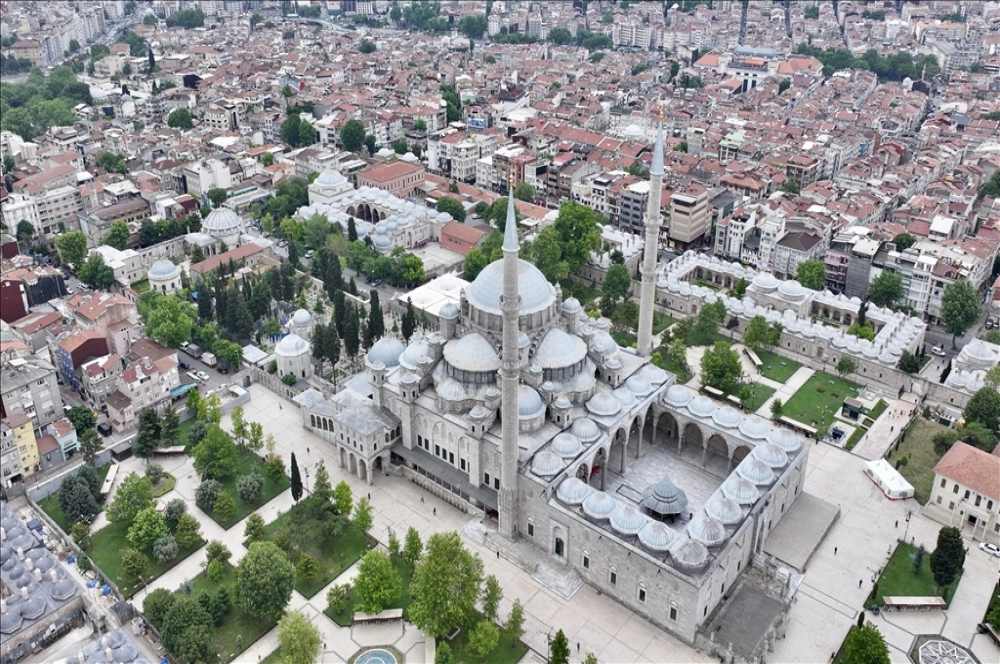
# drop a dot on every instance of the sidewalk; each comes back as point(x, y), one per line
point(887, 429)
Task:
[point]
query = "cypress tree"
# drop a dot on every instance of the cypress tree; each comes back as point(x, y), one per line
point(351, 329)
point(352, 231)
point(296, 480)
point(152, 61)
point(204, 302)
point(331, 345)
point(409, 321)
point(339, 312)
point(376, 319)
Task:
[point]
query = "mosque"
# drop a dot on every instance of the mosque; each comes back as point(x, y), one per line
point(523, 409)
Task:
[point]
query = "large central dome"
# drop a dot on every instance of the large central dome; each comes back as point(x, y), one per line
point(535, 290)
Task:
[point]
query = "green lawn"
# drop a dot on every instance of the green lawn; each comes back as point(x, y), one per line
point(582, 292)
point(918, 446)
point(50, 505)
point(776, 367)
point(182, 431)
point(236, 623)
point(841, 657)
point(876, 412)
point(819, 400)
point(405, 576)
point(661, 322)
point(105, 551)
point(249, 460)
point(165, 485)
point(335, 554)
point(994, 603)
point(623, 339)
point(899, 580)
point(855, 438)
point(760, 394)
point(694, 338)
point(504, 653)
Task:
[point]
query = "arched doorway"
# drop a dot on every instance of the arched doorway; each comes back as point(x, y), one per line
point(667, 424)
point(598, 472)
point(633, 442)
point(717, 455)
point(583, 472)
point(352, 464)
point(363, 470)
point(739, 454)
point(343, 457)
point(616, 456)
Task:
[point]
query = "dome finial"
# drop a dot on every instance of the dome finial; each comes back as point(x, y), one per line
point(510, 230)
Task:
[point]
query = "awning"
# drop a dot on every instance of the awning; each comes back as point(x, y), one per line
point(447, 474)
point(182, 390)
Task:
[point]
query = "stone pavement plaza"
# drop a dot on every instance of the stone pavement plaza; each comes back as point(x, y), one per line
point(826, 605)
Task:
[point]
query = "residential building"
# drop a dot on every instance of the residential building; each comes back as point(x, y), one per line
point(399, 178)
point(18, 449)
point(966, 492)
point(99, 378)
point(145, 384)
point(796, 247)
point(690, 216)
point(72, 351)
point(28, 386)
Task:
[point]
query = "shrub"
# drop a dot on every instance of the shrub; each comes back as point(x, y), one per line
point(156, 605)
point(216, 550)
point(83, 563)
point(821, 389)
point(215, 571)
point(175, 509)
point(154, 472)
point(250, 487)
point(165, 549)
point(81, 535)
point(207, 494)
point(337, 598)
point(289, 379)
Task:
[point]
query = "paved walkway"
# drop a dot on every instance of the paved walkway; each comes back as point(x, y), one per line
point(887, 429)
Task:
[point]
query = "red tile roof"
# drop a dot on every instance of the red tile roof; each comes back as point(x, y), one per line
point(971, 467)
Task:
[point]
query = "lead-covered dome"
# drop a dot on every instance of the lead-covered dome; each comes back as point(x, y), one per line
point(546, 464)
point(529, 403)
point(472, 352)
point(572, 491)
point(387, 351)
point(330, 178)
point(765, 281)
point(301, 318)
point(627, 520)
point(706, 530)
point(724, 510)
point(291, 345)
point(566, 445)
point(603, 404)
point(222, 222)
point(585, 430)
point(164, 269)
point(535, 290)
point(599, 505)
point(558, 350)
point(688, 554)
point(664, 498)
point(656, 537)
point(792, 290)
point(740, 490)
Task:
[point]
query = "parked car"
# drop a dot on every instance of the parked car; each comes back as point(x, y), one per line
point(193, 375)
point(309, 254)
point(104, 429)
point(201, 375)
point(937, 350)
point(990, 324)
point(184, 366)
point(991, 549)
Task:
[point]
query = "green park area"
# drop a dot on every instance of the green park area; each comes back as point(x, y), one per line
point(506, 652)
point(50, 504)
point(917, 447)
point(818, 401)
point(405, 571)
point(248, 462)
point(105, 550)
point(757, 394)
point(776, 367)
point(900, 579)
point(239, 630)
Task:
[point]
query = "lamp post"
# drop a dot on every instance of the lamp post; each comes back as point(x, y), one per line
point(307, 482)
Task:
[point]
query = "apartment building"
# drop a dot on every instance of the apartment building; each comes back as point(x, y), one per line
point(917, 271)
point(690, 216)
point(146, 384)
point(399, 178)
point(796, 247)
point(750, 235)
point(99, 378)
point(28, 386)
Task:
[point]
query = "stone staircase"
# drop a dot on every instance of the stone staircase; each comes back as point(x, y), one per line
point(563, 581)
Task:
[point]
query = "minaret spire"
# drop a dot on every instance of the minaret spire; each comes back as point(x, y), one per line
point(651, 234)
point(510, 374)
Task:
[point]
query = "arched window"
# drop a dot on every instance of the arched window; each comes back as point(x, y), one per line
point(613, 576)
point(641, 594)
point(586, 559)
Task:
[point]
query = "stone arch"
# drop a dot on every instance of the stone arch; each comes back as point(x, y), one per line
point(619, 448)
point(559, 544)
point(668, 425)
point(583, 472)
point(693, 435)
point(633, 439)
point(717, 445)
point(740, 453)
point(352, 463)
point(351, 211)
point(363, 471)
point(343, 457)
point(597, 479)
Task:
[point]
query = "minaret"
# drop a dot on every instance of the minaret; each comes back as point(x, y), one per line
point(651, 237)
point(510, 373)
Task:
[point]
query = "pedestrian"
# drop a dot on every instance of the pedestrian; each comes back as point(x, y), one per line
point(578, 646)
point(498, 554)
point(859, 582)
point(369, 495)
point(897, 523)
point(435, 511)
point(834, 550)
point(421, 499)
point(279, 407)
point(307, 450)
point(891, 429)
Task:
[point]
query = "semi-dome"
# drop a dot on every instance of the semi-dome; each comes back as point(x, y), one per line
point(566, 445)
point(599, 505)
point(559, 349)
point(164, 269)
point(417, 350)
point(572, 491)
point(546, 464)
point(603, 404)
point(472, 352)
point(724, 510)
point(702, 406)
point(706, 530)
point(756, 471)
point(664, 498)
point(535, 290)
point(740, 490)
point(449, 311)
point(301, 318)
point(765, 281)
point(529, 402)
point(656, 536)
point(291, 345)
point(687, 553)
point(679, 395)
point(222, 222)
point(771, 454)
point(387, 351)
point(627, 520)
point(585, 430)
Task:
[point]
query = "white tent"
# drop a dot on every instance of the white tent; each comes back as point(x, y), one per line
point(893, 485)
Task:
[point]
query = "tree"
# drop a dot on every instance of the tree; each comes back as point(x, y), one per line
point(133, 564)
point(886, 289)
point(173, 512)
point(352, 135)
point(165, 549)
point(170, 424)
point(156, 605)
point(147, 435)
point(307, 568)
point(76, 500)
point(89, 444)
point(617, 283)
point(82, 418)
point(112, 163)
point(134, 494)
point(445, 585)
point(148, 527)
point(784, 85)
point(862, 330)
point(484, 638)
point(180, 118)
point(904, 241)
point(948, 557)
point(590, 658)
point(909, 362)
point(25, 231)
point(224, 506)
point(170, 321)
point(559, 649)
point(443, 654)
point(206, 493)
point(846, 365)
point(452, 206)
point(216, 455)
point(546, 252)
point(412, 546)
point(865, 645)
point(216, 550)
point(95, 273)
point(984, 409)
point(367, 46)
point(811, 274)
point(708, 320)
point(524, 192)
point(296, 480)
point(992, 377)
point(473, 26)
point(72, 248)
point(377, 584)
point(960, 308)
point(721, 367)
point(363, 515)
point(184, 614)
point(265, 579)
point(250, 488)
point(475, 262)
point(80, 532)
point(513, 629)
point(298, 638)
point(217, 196)
point(188, 531)
point(577, 228)
point(492, 594)
point(759, 335)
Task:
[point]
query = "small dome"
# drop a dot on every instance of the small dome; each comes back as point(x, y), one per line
point(478, 413)
point(417, 350)
point(792, 290)
point(472, 352)
point(585, 430)
point(301, 318)
point(291, 345)
point(638, 386)
point(624, 396)
point(633, 131)
point(561, 402)
point(599, 505)
point(222, 222)
point(572, 491)
point(980, 350)
point(449, 311)
point(546, 464)
point(765, 282)
point(572, 306)
point(756, 471)
point(529, 403)
point(702, 406)
point(771, 454)
point(724, 510)
point(164, 269)
point(754, 428)
point(386, 350)
point(566, 445)
point(656, 536)
point(330, 178)
point(706, 530)
point(664, 498)
point(653, 374)
point(785, 439)
point(687, 553)
point(679, 395)
point(727, 417)
point(740, 490)
point(627, 520)
point(603, 404)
